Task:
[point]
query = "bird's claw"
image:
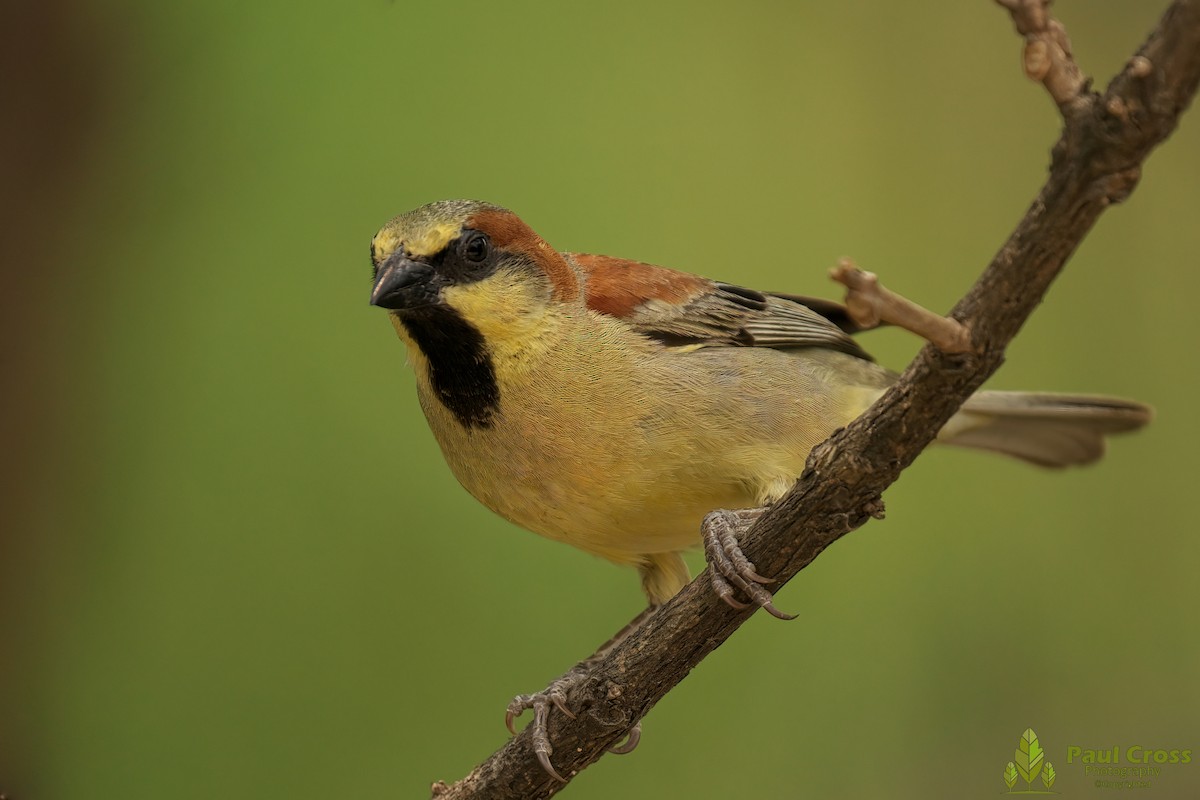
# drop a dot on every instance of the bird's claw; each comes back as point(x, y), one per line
point(631, 741)
point(730, 567)
point(555, 695)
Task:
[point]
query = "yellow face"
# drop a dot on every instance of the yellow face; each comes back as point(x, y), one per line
point(503, 297)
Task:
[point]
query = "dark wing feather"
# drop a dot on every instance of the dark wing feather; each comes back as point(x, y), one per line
point(678, 308)
point(830, 310)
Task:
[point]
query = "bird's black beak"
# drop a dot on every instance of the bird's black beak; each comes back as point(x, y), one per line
point(403, 283)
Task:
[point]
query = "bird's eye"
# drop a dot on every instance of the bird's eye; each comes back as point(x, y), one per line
point(476, 247)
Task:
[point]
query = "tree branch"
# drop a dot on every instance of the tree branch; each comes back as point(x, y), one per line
point(1096, 162)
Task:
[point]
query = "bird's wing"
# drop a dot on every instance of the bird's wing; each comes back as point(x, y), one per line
point(678, 308)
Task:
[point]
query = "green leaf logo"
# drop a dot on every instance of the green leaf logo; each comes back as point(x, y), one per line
point(1029, 756)
point(1048, 775)
point(1010, 774)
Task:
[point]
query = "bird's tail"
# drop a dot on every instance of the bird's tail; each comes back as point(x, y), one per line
point(1050, 430)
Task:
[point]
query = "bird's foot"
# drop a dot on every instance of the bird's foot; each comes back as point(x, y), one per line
point(555, 695)
point(730, 567)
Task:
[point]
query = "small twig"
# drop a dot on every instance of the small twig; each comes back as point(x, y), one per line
point(1047, 56)
point(870, 304)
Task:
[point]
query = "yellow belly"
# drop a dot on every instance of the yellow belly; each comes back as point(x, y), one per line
point(627, 465)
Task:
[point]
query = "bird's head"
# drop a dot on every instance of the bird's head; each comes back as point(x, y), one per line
point(477, 259)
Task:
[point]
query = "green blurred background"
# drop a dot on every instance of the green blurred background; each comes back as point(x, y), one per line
point(234, 564)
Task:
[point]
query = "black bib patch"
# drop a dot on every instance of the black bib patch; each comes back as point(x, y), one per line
point(460, 368)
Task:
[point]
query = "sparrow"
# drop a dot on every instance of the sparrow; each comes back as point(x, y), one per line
point(615, 405)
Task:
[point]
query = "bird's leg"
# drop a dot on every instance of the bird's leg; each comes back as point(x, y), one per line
point(556, 695)
point(729, 566)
